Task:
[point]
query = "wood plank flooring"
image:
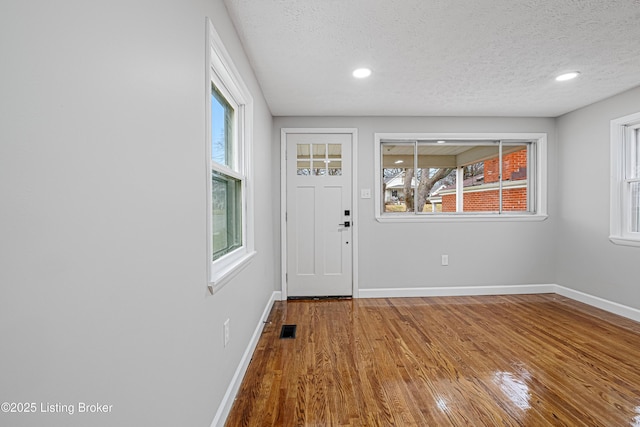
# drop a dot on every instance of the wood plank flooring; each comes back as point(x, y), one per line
point(520, 360)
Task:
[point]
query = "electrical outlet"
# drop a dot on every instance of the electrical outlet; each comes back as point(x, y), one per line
point(226, 332)
point(445, 259)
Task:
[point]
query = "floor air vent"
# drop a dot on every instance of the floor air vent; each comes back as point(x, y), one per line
point(288, 331)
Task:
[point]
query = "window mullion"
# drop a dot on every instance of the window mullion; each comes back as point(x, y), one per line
point(460, 189)
point(415, 176)
point(326, 159)
point(500, 176)
point(531, 181)
point(311, 159)
point(630, 176)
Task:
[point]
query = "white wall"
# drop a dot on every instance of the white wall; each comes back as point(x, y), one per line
point(396, 255)
point(103, 292)
point(587, 260)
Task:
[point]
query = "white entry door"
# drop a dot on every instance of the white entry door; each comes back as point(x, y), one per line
point(319, 215)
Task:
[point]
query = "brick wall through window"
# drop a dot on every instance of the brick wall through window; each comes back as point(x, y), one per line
point(478, 199)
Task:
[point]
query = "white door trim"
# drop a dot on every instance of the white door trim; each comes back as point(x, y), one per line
point(283, 201)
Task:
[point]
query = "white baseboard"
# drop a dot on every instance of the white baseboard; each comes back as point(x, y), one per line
point(236, 381)
point(601, 303)
point(456, 291)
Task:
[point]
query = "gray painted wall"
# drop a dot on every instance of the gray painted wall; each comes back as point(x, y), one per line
point(103, 293)
point(483, 253)
point(587, 260)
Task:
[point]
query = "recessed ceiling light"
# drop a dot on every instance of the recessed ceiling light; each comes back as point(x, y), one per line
point(441, 142)
point(361, 73)
point(397, 162)
point(567, 76)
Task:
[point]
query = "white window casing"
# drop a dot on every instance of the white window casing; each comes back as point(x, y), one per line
point(222, 73)
point(625, 176)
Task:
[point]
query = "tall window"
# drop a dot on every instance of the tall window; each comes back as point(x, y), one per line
point(625, 180)
point(226, 178)
point(421, 177)
point(229, 130)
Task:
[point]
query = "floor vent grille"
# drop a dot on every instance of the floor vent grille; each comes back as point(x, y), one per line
point(288, 332)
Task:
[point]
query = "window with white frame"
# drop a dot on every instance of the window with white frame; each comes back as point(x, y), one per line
point(625, 180)
point(227, 179)
point(228, 147)
point(422, 177)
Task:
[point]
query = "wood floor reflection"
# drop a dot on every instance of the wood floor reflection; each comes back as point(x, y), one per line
point(520, 360)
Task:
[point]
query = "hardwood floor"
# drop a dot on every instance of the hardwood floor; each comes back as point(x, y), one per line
point(520, 360)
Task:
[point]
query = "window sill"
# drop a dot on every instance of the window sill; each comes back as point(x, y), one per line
point(222, 273)
point(461, 218)
point(624, 241)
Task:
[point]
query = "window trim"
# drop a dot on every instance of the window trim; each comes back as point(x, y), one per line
point(540, 179)
point(222, 73)
point(620, 208)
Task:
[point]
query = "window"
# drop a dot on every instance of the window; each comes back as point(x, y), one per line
point(228, 147)
point(625, 180)
point(226, 182)
point(426, 177)
point(319, 159)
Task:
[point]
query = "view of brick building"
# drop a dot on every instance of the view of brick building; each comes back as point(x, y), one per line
point(481, 192)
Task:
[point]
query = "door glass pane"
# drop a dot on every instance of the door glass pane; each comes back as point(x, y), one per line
point(319, 152)
point(334, 157)
point(335, 151)
point(319, 167)
point(304, 167)
point(303, 153)
point(319, 159)
point(335, 167)
point(227, 214)
point(221, 129)
point(635, 207)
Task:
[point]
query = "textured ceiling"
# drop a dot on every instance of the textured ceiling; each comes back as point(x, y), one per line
point(439, 57)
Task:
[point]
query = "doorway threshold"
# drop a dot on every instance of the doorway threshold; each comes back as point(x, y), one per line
point(318, 298)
